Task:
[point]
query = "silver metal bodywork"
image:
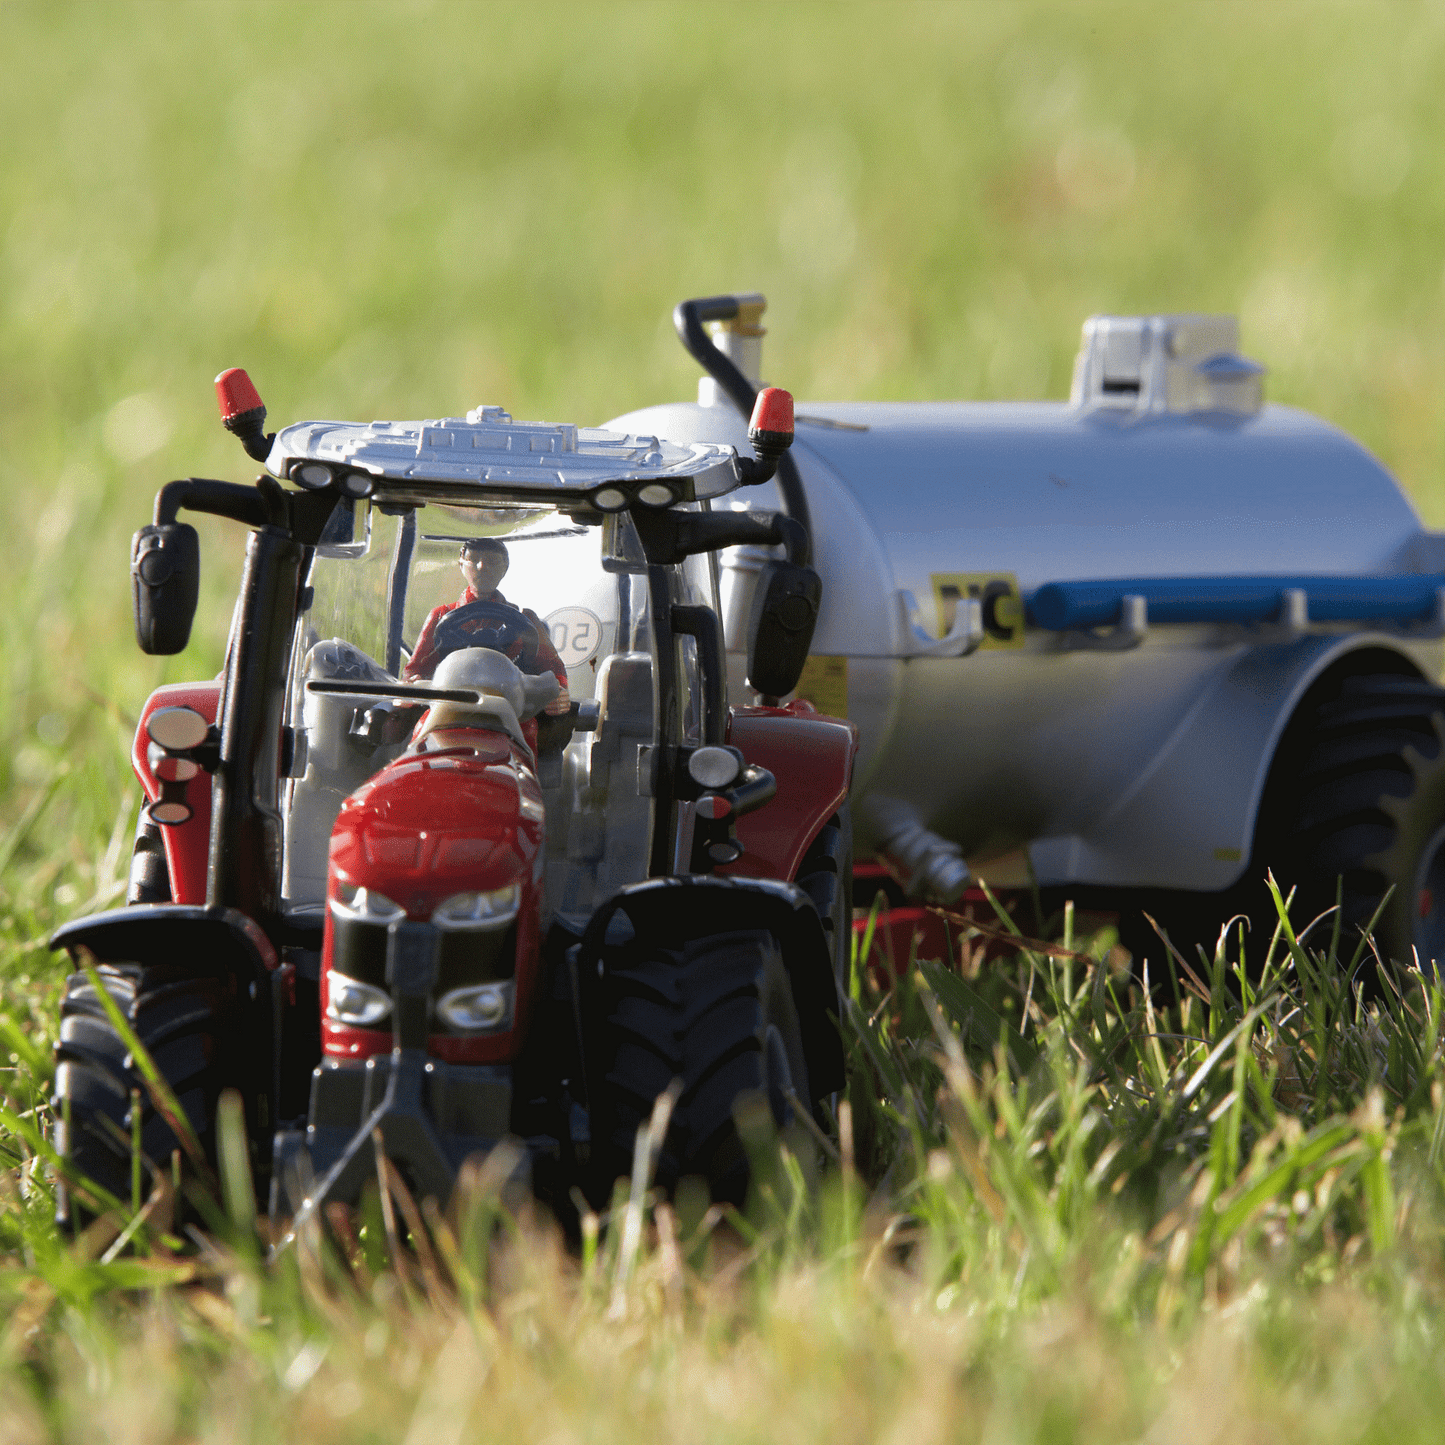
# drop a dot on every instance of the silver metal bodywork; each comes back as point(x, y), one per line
point(1134, 757)
point(487, 449)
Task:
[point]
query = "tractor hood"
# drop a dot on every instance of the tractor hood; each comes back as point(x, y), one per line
point(437, 824)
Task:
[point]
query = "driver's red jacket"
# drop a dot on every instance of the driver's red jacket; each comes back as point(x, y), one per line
point(530, 655)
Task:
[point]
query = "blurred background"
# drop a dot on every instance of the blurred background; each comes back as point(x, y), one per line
point(408, 209)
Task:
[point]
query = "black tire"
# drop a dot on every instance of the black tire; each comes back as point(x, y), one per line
point(1362, 800)
point(826, 876)
point(718, 1015)
point(150, 874)
point(1355, 797)
point(191, 1027)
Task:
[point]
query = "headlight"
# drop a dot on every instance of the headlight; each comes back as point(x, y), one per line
point(656, 494)
point(609, 499)
point(365, 905)
point(479, 910)
point(311, 475)
point(349, 1001)
point(482, 1006)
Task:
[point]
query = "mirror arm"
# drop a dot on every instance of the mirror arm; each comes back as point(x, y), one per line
point(220, 499)
point(303, 515)
point(668, 537)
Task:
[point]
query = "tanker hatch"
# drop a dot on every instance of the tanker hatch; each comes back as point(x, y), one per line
point(1157, 365)
point(740, 339)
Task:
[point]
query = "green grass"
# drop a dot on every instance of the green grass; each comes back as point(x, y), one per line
point(408, 209)
point(1065, 1209)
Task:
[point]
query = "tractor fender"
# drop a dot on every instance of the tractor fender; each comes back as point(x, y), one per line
point(187, 844)
point(811, 756)
point(664, 913)
point(1188, 818)
point(221, 941)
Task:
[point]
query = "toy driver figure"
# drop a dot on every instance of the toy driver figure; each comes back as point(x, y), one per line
point(482, 617)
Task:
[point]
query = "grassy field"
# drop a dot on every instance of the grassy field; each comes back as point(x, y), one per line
point(409, 209)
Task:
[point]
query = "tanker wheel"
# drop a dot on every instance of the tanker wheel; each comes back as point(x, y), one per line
point(826, 876)
point(192, 1028)
point(717, 1014)
point(1360, 798)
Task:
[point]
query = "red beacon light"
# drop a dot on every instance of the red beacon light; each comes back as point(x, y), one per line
point(771, 428)
point(243, 413)
point(237, 395)
point(771, 433)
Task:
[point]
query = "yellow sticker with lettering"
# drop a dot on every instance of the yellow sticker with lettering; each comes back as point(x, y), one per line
point(824, 683)
point(998, 594)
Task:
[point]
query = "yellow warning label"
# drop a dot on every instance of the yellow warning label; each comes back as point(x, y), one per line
point(824, 683)
point(998, 592)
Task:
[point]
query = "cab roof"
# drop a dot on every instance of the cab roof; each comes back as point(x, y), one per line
point(488, 453)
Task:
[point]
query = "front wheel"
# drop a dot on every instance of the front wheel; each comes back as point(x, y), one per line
point(717, 1014)
point(191, 1026)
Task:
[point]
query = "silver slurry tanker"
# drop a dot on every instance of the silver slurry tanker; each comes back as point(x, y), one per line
point(1153, 638)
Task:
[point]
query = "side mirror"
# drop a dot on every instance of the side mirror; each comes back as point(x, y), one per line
point(165, 579)
point(780, 629)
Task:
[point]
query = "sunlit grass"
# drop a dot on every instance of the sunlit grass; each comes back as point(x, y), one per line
point(1064, 1207)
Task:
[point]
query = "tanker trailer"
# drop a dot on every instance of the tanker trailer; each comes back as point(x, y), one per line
point(1134, 648)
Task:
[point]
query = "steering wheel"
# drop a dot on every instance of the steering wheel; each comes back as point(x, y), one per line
point(483, 623)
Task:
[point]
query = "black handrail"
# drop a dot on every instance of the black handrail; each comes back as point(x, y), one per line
point(702, 624)
point(688, 317)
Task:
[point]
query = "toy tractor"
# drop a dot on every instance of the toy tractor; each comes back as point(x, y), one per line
point(1132, 649)
point(440, 872)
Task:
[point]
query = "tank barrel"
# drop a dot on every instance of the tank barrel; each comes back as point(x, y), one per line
point(1077, 634)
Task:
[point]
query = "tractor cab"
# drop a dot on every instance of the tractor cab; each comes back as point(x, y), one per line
point(574, 604)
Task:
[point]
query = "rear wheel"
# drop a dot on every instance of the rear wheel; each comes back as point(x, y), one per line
point(826, 876)
point(1356, 802)
point(150, 875)
point(719, 1015)
point(1364, 802)
point(190, 1025)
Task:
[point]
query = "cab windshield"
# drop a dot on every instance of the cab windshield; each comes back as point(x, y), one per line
point(394, 588)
